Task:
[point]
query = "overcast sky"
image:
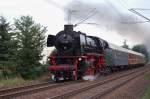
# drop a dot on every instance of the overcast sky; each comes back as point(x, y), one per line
point(51, 13)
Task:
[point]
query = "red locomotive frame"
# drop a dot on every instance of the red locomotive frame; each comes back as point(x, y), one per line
point(96, 64)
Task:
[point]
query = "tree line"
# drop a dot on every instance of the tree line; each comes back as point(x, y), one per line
point(21, 45)
point(141, 48)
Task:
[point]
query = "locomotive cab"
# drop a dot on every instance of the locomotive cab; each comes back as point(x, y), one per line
point(90, 44)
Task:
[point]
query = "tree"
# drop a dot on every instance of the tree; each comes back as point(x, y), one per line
point(141, 48)
point(6, 47)
point(31, 41)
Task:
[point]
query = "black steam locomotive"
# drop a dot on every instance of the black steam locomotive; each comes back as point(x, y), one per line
point(69, 42)
point(81, 56)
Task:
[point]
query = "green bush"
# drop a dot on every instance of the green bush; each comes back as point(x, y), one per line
point(32, 73)
point(9, 74)
point(1, 75)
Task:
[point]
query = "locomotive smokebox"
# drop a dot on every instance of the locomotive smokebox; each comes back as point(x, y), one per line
point(68, 28)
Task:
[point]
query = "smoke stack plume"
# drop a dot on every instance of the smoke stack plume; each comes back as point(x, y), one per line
point(106, 14)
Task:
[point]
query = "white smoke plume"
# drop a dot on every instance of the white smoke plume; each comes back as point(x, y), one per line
point(90, 77)
point(107, 15)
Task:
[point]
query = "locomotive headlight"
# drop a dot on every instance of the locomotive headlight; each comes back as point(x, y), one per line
point(80, 59)
point(64, 35)
point(65, 47)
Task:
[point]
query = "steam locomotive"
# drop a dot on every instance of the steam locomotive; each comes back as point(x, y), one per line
point(79, 55)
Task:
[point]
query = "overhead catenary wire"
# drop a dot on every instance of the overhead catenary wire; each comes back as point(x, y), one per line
point(133, 10)
point(92, 23)
point(55, 4)
point(90, 14)
point(130, 22)
point(113, 7)
point(139, 14)
point(140, 9)
point(124, 4)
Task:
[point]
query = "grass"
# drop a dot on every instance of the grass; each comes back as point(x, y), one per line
point(15, 80)
point(18, 81)
point(147, 93)
point(12, 82)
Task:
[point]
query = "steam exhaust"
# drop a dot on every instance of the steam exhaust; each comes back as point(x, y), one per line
point(90, 77)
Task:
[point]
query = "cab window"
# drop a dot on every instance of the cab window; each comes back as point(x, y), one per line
point(82, 40)
point(90, 42)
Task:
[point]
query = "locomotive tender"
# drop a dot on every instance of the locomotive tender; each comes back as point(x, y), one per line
point(79, 55)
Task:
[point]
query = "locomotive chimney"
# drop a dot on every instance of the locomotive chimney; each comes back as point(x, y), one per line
point(68, 27)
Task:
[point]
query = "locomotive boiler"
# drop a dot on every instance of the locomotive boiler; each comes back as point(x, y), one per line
point(79, 55)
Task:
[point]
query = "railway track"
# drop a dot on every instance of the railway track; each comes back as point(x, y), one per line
point(77, 91)
point(4, 91)
point(116, 86)
point(30, 89)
